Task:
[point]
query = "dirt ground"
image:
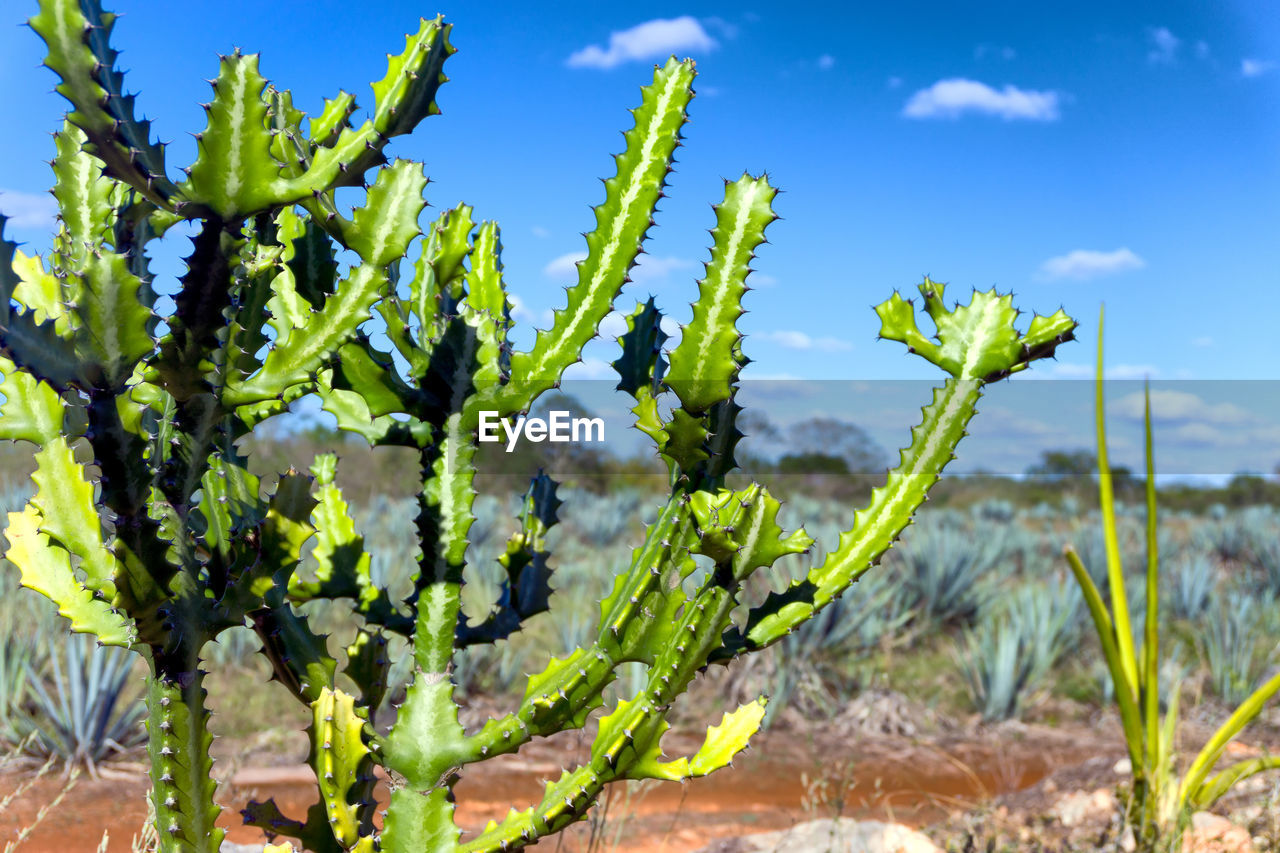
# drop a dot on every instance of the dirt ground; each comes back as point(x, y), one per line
point(968, 786)
point(787, 778)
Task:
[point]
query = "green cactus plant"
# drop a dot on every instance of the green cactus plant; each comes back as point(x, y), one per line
point(165, 540)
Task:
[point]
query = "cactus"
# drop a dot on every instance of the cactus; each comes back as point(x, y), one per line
point(165, 540)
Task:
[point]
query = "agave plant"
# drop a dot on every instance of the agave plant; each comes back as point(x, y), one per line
point(949, 570)
point(1191, 591)
point(1162, 800)
point(1235, 644)
point(86, 708)
point(1010, 651)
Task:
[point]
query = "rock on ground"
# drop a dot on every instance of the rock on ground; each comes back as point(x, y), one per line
point(841, 835)
point(1079, 807)
point(1210, 833)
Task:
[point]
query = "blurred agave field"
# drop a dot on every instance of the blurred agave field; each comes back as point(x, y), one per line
point(972, 614)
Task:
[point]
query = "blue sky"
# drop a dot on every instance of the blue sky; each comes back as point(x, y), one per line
point(1073, 153)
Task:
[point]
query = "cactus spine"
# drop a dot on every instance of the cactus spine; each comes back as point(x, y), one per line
point(167, 540)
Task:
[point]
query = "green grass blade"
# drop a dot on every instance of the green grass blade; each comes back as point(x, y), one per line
point(1130, 718)
point(1151, 633)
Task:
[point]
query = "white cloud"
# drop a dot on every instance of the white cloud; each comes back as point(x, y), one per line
point(1256, 67)
point(894, 82)
point(760, 279)
point(956, 96)
point(540, 232)
point(1181, 406)
point(29, 210)
point(1068, 370)
point(727, 29)
point(522, 313)
point(1164, 46)
point(644, 41)
point(565, 267)
point(826, 61)
point(613, 325)
point(1083, 264)
point(650, 269)
point(1202, 342)
point(791, 339)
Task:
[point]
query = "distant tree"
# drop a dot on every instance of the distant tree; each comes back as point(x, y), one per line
point(1249, 490)
point(811, 463)
point(1069, 465)
point(835, 439)
point(760, 441)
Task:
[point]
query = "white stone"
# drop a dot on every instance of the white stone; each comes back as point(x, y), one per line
point(841, 835)
point(1080, 807)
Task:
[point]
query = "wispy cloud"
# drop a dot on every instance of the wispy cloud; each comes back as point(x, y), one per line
point(649, 269)
point(727, 29)
point(29, 210)
point(1256, 67)
point(1164, 46)
point(1084, 264)
point(894, 82)
point(1068, 370)
point(953, 97)
point(1202, 342)
point(994, 51)
point(564, 268)
point(540, 232)
point(658, 37)
point(826, 61)
point(791, 339)
point(1202, 49)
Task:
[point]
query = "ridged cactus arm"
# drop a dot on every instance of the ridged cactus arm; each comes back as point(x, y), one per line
point(641, 368)
point(77, 34)
point(30, 341)
point(383, 229)
point(703, 367)
point(344, 769)
point(402, 98)
point(439, 279)
point(341, 562)
point(114, 325)
point(622, 222)
point(84, 209)
point(45, 567)
point(570, 688)
point(64, 499)
point(975, 343)
point(333, 119)
point(526, 589)
point(182, 786)
point(32, 411)
point(627, 744)
point(427, 738)
point(235, 174)
point(487, 307)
